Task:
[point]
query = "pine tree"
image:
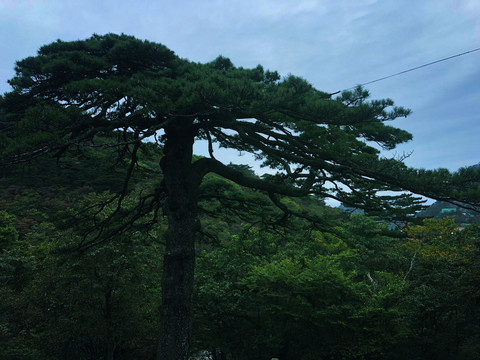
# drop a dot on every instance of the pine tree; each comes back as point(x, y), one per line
point(73, 94)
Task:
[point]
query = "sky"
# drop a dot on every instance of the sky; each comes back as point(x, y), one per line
point(334, 45)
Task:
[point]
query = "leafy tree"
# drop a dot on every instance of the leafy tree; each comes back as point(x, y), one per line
point(98, 303)
point(73, 94)
point(467, 289)
point(298, 296)
point(8, 233)
point(442, 291)
point(16, 266)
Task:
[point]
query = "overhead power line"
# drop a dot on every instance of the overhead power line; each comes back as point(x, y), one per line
point(412, 69)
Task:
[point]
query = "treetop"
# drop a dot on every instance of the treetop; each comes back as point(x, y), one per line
point(72, 92)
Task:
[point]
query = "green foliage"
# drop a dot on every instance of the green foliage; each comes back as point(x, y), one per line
point(377, 245)
point(261, 296)
point(8, 233)
point(293, 292)
point(440, 305)
point(316, 295)
point(60, 300)
point(73, 92)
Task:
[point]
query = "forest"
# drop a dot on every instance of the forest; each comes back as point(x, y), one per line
point(360, 290)
point(118, 242)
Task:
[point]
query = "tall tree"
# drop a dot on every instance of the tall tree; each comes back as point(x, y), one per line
point(73, 93)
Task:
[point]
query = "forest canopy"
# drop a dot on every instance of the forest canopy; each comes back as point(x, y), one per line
point(360, 290)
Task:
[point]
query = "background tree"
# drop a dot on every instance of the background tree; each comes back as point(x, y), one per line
point(303, 295)
point(57, 301)
point(8, 233)
point(442, 297)
point(73, 94)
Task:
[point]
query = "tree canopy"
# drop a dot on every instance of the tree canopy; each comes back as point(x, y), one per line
point(74, 95)
point(360, 291)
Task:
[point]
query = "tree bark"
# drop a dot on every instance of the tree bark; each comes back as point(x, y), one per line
point(179, 262)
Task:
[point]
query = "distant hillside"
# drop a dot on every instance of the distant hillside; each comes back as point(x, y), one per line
point(442, 209)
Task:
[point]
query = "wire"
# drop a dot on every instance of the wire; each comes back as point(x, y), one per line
point(412, 69)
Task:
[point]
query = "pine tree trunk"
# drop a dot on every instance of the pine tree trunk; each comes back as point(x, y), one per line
point(179, 260)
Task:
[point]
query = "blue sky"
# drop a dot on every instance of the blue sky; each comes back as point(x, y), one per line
point(333, 44)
